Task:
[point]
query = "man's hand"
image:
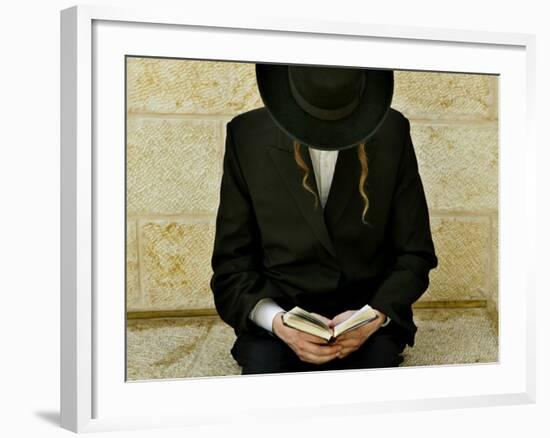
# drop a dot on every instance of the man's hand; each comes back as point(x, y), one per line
point(353, 339)
point(309, 348)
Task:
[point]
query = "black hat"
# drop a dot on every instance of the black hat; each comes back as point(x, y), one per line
point(329, 108)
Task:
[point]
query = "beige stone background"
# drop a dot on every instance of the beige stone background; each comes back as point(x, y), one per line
point(176, 116)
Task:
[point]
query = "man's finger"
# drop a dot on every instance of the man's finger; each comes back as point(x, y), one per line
point(360, 332)
point(321, 317)
point(345, 342)
point(345, 352)
point(321, 350)
point(346, 337)
point(337, 320)
point(341, 317)
point(312, 358)
point(312, 338)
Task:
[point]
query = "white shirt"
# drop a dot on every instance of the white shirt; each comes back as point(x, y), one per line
point(324, 163)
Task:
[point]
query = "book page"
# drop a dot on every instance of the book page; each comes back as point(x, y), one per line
point(301, 313)
point(359, 318)
point(302, 320)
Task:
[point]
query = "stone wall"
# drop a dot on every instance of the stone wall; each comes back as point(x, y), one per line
point(177, 111)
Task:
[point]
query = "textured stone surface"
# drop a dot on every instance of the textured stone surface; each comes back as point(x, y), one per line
point(458, 165)
point(196, 347)
point(462, 247)
point(452, 336)
point(173, 165)
point(212, 87)
point(493, 289)
point(191, 87)
point(133, 297)
point(444, 96)
point(214, 357)
point(174, 169)
point(176, 262)
point(175, 267)
point(163, 348)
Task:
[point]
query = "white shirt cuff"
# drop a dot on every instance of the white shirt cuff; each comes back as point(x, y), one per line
point(264, 312)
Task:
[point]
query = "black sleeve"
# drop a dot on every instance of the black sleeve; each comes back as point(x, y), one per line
point(237, 281)
point(411, 240)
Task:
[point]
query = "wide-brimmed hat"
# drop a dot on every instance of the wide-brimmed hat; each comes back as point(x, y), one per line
point(329, 108)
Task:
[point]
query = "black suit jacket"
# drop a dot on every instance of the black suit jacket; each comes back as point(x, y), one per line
point(270, 241)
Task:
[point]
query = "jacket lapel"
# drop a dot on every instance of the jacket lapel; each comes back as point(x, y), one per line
point(345, 182)
point(291, 174)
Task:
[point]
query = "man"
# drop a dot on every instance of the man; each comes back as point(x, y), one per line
point(369, 244)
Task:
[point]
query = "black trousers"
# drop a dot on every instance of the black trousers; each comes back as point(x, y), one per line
point(260, 352)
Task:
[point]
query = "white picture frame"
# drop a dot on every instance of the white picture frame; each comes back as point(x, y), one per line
point(94, 394)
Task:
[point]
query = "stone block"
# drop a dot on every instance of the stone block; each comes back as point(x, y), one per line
point(198, 347)
point(444, 96)
point(133, 296)
point(214, 357)
point(493, 295)
point(191, 86)
point(462, 246)
point(164, 348)
point(452, 336)
point(458, 165)
point(175, 265)
point(173, 166)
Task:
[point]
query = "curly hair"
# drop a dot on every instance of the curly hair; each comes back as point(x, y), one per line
point(363, 160)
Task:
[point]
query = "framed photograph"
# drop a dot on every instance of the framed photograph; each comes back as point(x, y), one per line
point(147, 101)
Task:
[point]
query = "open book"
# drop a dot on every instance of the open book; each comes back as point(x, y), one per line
point(301, 319)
